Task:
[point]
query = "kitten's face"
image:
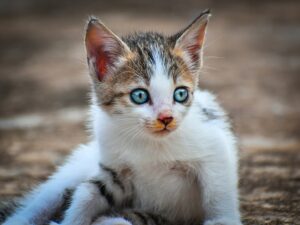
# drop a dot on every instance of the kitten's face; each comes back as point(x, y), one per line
point(155, 91)
point(145, 82)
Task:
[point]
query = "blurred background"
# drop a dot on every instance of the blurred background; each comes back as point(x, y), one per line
point(252, 62)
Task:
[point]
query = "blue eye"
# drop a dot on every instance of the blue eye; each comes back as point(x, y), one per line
point(181, 94)
point(139, 96)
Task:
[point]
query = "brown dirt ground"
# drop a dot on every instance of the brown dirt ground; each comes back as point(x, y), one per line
point(252, 62)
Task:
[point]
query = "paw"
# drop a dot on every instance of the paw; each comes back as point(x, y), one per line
point(223, 221)
point(111, 221)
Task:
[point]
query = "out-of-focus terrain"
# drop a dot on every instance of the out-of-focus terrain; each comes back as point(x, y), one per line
point(252, 62)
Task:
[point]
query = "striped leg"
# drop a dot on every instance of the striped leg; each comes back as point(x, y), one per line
point(100, 194)
point(144, 218)
point(132, 217)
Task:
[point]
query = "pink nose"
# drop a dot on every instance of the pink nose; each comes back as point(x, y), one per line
point(165, 118)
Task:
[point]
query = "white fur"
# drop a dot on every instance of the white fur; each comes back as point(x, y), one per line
point(86, 203)
point(80, 166)
point(206, 147)
point(161, 89)
point(111, 221)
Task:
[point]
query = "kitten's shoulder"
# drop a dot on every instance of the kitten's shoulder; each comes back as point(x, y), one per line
point(209, 108)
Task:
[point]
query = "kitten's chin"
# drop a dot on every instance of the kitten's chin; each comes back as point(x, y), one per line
point(162, 133)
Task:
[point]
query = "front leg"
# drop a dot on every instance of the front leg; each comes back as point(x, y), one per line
point(218, 178)
point(39, 206)
point(104, 192)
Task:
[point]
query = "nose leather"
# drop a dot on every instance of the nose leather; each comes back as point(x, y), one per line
point(166, 120)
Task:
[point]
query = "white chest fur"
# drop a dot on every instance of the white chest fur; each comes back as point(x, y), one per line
point(158, 187)
point(167, 174)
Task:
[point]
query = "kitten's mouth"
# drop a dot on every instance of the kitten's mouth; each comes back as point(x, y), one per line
point(159, 129)
point(164, 131)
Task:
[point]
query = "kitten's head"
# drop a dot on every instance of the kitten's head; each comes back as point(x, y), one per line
point(145, 81)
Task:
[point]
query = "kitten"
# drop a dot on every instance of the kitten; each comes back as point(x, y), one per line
point(162, 151)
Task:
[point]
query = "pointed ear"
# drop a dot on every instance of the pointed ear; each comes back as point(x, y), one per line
point(105, 50)
point(189, 42)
